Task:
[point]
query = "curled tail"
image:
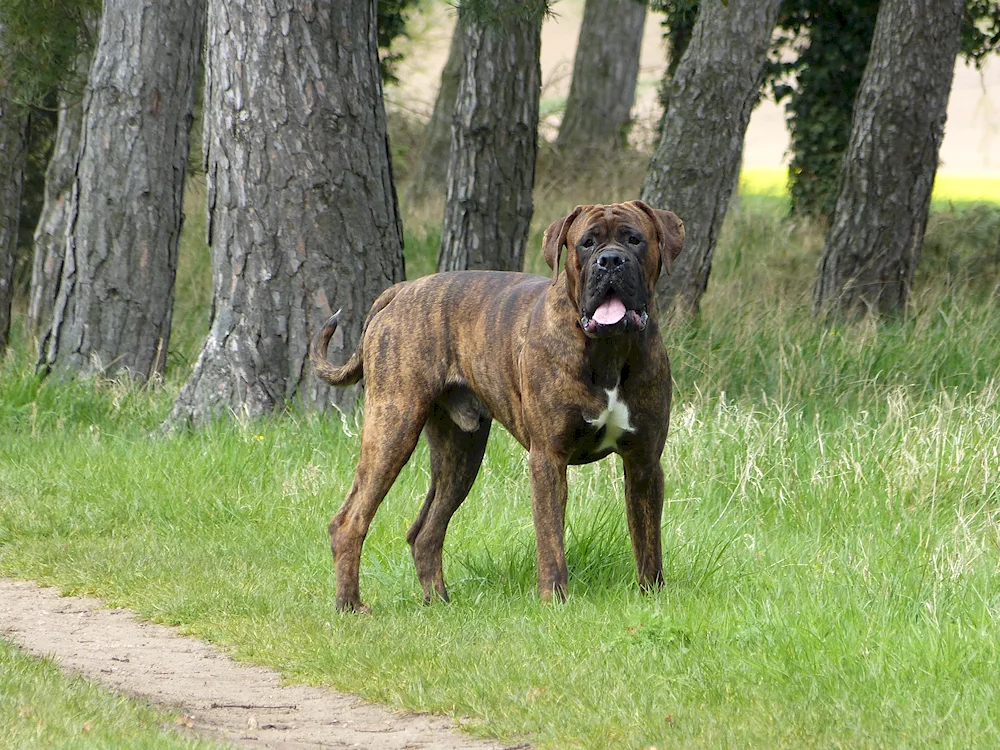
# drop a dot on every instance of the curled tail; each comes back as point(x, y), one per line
point(351, 371)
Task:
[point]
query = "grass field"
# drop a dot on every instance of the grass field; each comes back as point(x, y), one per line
point(831, 534)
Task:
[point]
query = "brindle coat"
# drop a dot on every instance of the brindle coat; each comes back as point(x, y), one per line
point(449, 353)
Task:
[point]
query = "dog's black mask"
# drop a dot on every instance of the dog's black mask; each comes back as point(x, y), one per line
point(613, 297)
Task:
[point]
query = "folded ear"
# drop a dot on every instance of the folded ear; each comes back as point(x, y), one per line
point(669, 233)
point(554, 240)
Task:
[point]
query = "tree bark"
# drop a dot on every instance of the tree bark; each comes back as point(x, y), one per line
point(599, 108)
point(696, 164)
point(884, 190)
point(112, 312)
point(302, 208)
point(13, 156)
point(491, 163)
point(432, 169)
point(50, 233)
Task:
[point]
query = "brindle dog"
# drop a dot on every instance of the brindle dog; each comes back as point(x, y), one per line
point(573, 366)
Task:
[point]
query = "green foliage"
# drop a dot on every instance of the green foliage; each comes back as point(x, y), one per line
point(40, 42)
point(980, 30)
point(678, 25)
point(834, 37)
point(392, 19)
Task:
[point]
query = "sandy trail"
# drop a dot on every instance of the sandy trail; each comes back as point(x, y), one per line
point(243, 705)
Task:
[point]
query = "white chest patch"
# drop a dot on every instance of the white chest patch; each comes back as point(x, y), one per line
point(614, 420)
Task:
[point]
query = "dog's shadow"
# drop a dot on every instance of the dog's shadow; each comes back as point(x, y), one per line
point(598, 556)
point(599, 560)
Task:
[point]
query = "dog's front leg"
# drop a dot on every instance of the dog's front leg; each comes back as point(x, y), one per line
point(644, 507)
point(548, 505)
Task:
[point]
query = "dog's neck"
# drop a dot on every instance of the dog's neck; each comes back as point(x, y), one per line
point(610, 359)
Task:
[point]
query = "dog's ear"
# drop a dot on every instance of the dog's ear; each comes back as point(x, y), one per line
point(669, 233)
point(554, 240)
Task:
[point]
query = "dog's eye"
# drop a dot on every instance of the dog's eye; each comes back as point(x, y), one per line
point(634, 239)
point(587, 243)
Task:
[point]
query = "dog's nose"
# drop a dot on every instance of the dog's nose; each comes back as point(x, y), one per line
point(609, 260)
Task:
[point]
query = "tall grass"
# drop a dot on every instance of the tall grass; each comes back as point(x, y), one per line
point(831, 533)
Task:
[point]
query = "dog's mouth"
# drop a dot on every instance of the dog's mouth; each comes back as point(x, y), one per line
point(612, 316)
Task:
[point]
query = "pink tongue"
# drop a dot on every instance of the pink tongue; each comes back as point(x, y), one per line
point(610, 312)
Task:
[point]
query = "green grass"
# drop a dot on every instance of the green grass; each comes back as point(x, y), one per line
point(831, 534)
point(42, 708)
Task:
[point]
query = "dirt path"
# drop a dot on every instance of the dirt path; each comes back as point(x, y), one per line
point(243, 705)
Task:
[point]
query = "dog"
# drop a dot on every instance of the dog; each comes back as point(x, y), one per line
point(573, 366)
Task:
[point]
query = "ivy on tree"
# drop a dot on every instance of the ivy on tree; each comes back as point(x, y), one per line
point(836, 35)
point(831, 40)
point(391, 22)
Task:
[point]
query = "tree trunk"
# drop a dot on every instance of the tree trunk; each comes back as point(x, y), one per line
point(13, 155)
point(432, 169)
point(884, 191)
point(50, 234)
point(696, 164)
point(491, 164)
point(599, 108)
point(302, 208)
point(112, 312)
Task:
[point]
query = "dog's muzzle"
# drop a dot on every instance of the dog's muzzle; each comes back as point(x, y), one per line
point(614, 300)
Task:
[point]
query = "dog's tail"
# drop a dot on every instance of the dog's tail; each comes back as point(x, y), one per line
point(347, 374)
point(351, 371)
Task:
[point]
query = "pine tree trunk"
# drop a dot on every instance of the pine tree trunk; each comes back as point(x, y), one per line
point(432, 169)
point(491, 164)
point(13, 155)
point(695, 167)
point(50, 234)
point(302, 209)
point(112, 312)
point(884, 191)
point(599, 108)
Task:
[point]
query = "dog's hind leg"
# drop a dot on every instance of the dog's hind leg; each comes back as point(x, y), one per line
point(388, 437)
point(456, 456)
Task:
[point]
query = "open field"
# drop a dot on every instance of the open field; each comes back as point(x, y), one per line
point(831, 535)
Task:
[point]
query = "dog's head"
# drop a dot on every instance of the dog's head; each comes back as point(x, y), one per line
point(614, 256)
